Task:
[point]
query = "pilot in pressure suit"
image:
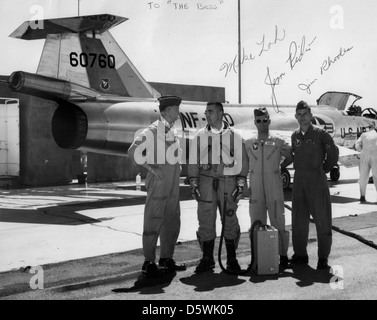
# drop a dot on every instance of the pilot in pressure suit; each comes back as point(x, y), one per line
point(367, 146)
point(217, 164)
point(266, 151)
point(315, 154)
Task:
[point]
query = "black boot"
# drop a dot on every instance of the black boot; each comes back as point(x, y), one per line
point(284, 262)
point(150, 269)
point(207, 263)
point(232, 264)
point(323, 264)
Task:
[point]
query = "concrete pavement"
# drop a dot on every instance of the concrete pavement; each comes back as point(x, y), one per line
point(87, 241)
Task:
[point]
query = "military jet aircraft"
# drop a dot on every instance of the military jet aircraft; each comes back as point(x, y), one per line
point(103, 100)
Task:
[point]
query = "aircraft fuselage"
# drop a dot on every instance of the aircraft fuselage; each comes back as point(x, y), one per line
point(110, 127)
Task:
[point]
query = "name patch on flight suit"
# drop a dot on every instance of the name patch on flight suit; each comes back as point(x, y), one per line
point(270, 143)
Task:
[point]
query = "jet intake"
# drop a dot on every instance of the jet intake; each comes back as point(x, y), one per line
point(69, 126)
point(104, 128)
point(39, 86)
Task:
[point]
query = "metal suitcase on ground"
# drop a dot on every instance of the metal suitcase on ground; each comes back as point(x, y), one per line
point(266, 250)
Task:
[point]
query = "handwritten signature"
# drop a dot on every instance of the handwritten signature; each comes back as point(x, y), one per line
point(265, 46)
point(273, 82)
point(328, 62)
point(234, 65)
point(296, 53)
point(306, 86)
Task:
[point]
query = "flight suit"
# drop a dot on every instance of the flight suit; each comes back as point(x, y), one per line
point(162, 209)
point(266, 186)
point(217, 177)
point(315, 154)
point(367, 146)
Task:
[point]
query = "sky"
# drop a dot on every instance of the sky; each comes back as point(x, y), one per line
point(291, 50)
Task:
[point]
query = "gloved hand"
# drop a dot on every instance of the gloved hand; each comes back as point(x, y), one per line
point(195, 193)
point(238, 190)
point(237, 193)
point(195, 188)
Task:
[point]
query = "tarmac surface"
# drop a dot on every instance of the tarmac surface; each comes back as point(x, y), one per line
point(84, 242)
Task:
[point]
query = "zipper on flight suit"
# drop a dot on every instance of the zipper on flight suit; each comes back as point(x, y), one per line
point(263, 186)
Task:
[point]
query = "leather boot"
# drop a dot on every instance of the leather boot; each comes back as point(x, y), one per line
point(232, 264)
point(207, 263)
point(284, 262)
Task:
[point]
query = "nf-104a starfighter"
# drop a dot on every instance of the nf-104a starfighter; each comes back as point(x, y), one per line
point(102, 99)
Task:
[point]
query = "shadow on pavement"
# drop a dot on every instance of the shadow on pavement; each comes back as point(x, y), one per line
point(209, 281)
point(64, 214)
point(340, 199)
point(149, 285)
point(305, 275)
point(43, 217)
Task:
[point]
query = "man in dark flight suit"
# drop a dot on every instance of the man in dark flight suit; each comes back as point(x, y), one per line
point(315, 154)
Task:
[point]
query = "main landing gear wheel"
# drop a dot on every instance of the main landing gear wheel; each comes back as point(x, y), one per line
point(335, 174)
point(286, 178)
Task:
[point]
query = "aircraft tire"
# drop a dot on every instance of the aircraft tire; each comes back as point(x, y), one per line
point(286, 178)
point(335, 174)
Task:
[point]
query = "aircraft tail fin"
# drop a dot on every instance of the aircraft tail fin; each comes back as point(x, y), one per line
point(82, 50)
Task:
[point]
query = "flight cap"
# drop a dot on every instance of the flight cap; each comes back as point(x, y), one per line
point(168, 101)
point(302, 105)
point(259, 112)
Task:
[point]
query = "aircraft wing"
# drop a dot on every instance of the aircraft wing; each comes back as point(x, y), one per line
point(347, 157)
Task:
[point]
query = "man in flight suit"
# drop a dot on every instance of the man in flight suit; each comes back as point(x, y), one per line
point(153, 149)
point(217, 165)
point(266, 151)
point(315, 154)
point(367, 146)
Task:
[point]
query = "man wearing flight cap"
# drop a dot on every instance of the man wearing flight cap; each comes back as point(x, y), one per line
point(315, 154)
point(162, 209)
point(266, 152)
